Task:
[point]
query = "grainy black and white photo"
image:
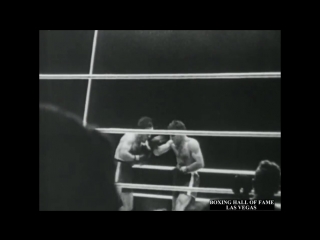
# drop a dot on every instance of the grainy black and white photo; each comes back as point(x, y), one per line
point(160, 120)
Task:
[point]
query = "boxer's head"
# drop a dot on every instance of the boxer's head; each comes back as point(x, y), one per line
point(177, 125)
point(267, 178)
point(145, 123)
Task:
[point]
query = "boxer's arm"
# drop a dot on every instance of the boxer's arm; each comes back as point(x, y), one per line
point(197, 156)
point(125, 154)
point(162, 149)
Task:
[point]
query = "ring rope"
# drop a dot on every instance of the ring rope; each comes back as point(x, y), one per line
point(203, 170)
point(177, 188)
point(166, 197)
point(173, 188)
point(179, 76)
point(191, 132)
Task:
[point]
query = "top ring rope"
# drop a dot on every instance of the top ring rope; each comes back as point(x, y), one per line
point(191, 133)
point(179, 76)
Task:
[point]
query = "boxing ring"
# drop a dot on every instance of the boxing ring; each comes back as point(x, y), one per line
point(89, 77)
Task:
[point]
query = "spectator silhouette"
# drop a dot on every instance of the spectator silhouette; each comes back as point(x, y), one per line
point(76, 167)
point(267, 180)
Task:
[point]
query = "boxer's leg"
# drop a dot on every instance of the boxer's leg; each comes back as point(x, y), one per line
point(124, 174)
